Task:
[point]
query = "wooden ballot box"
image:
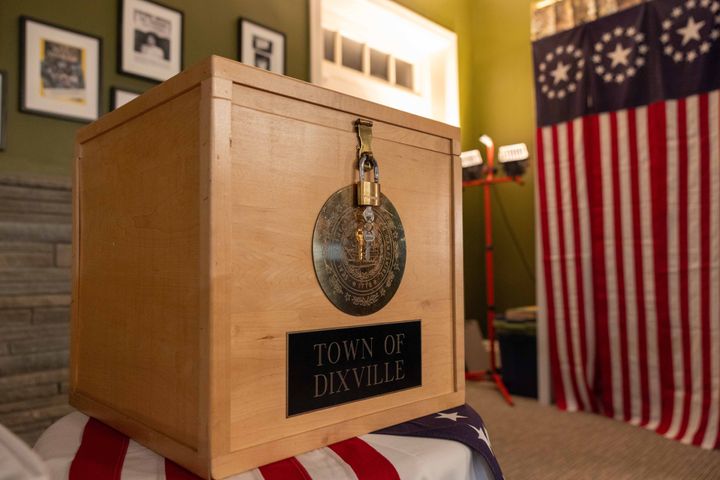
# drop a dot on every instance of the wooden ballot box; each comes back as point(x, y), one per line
point(263, 267)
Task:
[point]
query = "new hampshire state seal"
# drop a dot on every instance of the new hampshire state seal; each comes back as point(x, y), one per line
point(358, 252)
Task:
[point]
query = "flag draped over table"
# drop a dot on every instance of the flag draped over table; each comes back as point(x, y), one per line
point(628, 204)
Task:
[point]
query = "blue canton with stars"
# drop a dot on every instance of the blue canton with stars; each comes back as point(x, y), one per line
point(461, 424)
point(659, 50)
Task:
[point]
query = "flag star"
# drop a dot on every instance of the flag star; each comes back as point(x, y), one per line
point(666, 24)
point(705, 3)
point(608, 77)
point(690, 4)
point(669, 50)
point(559, 50)
point(677, 11)
point(619, 56)
point(705, 47)
point(545, 88)
point(570, 48)
point(643, 49)
point(551, 94)
point(572, 87)
point(598, 46)
point(578, 76)
point(717, 19)
point(691, 31)
point(639, 61)
point(631, 72)
point(561, 93)
point(577, 54)
point(630, 31)
point(549, 56)
point(481, 434)
point(715, 34)
point(691, 55)
point(677, 57)
point(665, 37)
point(715, 7)
point(597, 58)
point(541, 79)
point(606, 38)
point(619, 78)
point(639, 37)
point(450, 416)
point(600, 70)
point(618, 31)
point(560, 73)
point(581, 63)
point(542, 67)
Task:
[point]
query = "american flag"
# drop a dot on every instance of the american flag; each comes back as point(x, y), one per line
point(81, 448)
point(628, 211)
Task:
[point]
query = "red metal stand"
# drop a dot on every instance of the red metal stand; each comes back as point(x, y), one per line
point(492, 374)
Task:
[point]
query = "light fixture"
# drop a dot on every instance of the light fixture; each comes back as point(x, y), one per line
point(513, 159)
point(471, 165)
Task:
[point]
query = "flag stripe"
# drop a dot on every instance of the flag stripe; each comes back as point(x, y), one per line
point(714, 127)
point(173, 471)
point(542, 149)
point(365, 461)
point(567, 256)
point(638, 246)
point(593, 168)
point(704, 340)
point(658, 139)
point(648, 267)
point(101, 453)
point(287, 469)
point(574, 159)
point(683, 267)
point(562, 299)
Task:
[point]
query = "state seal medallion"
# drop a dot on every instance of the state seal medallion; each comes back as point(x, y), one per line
point(358, 252)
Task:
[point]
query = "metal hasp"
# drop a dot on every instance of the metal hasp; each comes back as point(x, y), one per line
point(368, 192)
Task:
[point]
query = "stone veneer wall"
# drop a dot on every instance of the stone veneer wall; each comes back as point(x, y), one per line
point(35, 255)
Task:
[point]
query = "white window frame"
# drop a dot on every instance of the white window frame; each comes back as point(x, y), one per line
point(435, 72)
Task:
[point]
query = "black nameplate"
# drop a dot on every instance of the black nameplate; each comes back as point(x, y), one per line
point(332, 367)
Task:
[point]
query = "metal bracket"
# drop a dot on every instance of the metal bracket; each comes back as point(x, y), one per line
point(364, 133)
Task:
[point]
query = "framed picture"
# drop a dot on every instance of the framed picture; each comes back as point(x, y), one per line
point(59, 71)
point(120, 96)
point(261, 46)
point(3, 112)
point(150, 40)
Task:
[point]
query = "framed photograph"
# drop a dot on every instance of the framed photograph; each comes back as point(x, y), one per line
point(150, 40)
point(59, 71)
point(3, 111)
point(120, 96)
point(261, 46)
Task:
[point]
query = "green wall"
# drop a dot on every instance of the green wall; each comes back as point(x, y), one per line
point(495, 94)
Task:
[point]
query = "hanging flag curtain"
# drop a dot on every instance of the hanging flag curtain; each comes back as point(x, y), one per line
point(628, 205)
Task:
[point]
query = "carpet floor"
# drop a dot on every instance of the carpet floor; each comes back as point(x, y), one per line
point(536, 442)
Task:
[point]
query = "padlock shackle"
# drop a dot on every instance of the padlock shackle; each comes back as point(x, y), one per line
point(361, 166)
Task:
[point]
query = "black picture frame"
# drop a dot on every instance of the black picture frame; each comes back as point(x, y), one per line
point(22, 90)
point(3, 108)
point(241, 21)
point(121, 40)
point(113, 95)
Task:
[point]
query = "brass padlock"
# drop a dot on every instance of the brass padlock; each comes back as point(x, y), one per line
point(368, 193)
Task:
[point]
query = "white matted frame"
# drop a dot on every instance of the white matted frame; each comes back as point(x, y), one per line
point(261, 46)
point(150, 40)
point(121, 96)
point(59, 71)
